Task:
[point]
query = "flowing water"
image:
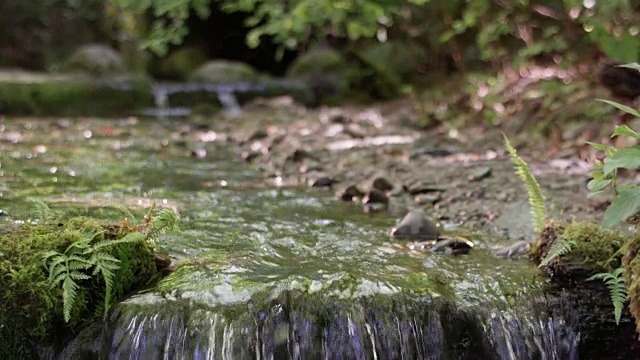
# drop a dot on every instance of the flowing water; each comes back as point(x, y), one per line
point(266, 272)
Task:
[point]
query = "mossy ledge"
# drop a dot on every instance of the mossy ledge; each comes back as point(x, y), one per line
point(72, 95)
point(595, 250)
point(31, 310)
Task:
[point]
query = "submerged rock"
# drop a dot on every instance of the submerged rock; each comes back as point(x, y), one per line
point(415, 225)
point(382, 184)
point(351, 193)
point(518, 249)
point(452, 245)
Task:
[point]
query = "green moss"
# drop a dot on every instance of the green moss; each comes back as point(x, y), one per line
point(69, 98)
point(30, 310)
point(595, 250)
point(631, 263)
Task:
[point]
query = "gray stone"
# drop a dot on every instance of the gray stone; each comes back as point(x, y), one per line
point(415, 225)
point(516, 221)
point(480, 174)
point(516, 250)
point(97, 59)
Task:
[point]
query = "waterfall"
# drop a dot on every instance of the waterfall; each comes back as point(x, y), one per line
point(175, 99)
point(297, 326)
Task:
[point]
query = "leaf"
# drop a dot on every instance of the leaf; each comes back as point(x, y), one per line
point(626, 158)
point(596, 185)
point(619, 106)
point(624, 205)
point(633, 66)
point(597, 146)
point(625, 130)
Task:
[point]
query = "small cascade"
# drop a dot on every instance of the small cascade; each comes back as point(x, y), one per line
point(175, 99)
point(297, 326)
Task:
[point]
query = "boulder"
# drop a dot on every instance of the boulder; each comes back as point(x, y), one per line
point(415, 226)
point(180, 63)
point(96, 59)
point(326, 72)
point(224, 71)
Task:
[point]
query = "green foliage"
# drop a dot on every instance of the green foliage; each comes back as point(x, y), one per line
point(560, 247)
point(617, 285)
point(536, 200)
point(605, 172)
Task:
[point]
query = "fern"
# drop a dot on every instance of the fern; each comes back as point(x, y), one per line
point(43, 210)
point(617, 289)
point(559, 247)
point(86, 256)
point(67, 267)
point(536, 200)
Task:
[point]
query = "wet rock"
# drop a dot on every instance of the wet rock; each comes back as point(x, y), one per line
point(415, 225)
point(258, 135)
point(516, 222)
point(421, 187)
point(423, 199)
point(249, 156)
point(323, 181)
point(480, 174)
point(299, 155)
point(310, 166)
point(516, 250)
point(430, 151)
point(351, 193)
point(382, 184)
point(199, 153)
point(452, 245)
point(375, 200)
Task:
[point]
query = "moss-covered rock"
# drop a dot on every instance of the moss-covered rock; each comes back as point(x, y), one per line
point(595, 250)
point(31, 307)
point(180, 63)
point(386, 66)
point(72, 95)
point(631, 263)
point(223, 71)
point(95, 59)
point(326, 72)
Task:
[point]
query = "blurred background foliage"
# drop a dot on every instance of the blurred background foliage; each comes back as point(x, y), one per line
point(442, 34)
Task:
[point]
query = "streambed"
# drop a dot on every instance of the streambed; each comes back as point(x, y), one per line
point(271, 271)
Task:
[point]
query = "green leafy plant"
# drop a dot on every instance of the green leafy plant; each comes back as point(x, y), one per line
point(536, 200)
point(605, 171)
point(617, 289)
point(626, 202)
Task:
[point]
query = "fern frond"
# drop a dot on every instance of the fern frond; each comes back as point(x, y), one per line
point(69, 292)
point(43, 210)
point(536, 200)
point(559, 247)
point(164, 220)
point(617, 289)
point(123, 209)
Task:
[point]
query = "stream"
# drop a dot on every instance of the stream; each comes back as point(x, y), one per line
point(271, 272)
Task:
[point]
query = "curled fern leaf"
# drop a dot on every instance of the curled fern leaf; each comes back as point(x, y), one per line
point(617, 289)
point(559, 247)
point(536, 200)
